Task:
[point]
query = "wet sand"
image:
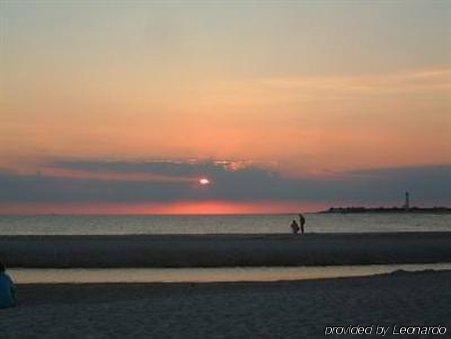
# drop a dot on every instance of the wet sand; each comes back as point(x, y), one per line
point(225, 250)
point(224, 310)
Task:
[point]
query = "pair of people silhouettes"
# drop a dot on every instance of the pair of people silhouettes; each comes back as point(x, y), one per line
point(295, 226)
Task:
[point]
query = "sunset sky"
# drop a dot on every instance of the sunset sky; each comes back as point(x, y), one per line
point(122, 107)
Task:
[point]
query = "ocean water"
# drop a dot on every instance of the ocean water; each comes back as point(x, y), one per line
point(109, 224)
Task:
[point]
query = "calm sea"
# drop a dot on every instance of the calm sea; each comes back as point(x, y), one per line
point(108, 224)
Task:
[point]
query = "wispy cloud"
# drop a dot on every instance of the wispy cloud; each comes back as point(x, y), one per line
point(432, 82)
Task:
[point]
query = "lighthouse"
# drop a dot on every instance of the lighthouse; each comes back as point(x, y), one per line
point(407, 202)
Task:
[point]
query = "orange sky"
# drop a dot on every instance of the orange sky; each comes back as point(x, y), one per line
point(305, 89)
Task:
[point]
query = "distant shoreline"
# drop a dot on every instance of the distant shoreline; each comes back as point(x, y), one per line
point(400, 210)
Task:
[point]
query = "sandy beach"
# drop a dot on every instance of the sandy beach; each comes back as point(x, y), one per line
point(241, 310)
point(315, 249)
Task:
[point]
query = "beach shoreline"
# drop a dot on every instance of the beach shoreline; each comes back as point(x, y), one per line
point(250, 309)
point(226, 250)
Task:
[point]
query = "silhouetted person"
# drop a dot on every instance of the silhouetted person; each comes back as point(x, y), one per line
point(301, 222)
point(294, 226)
point(7, 289)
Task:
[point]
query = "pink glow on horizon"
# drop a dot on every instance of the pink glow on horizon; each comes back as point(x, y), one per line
point(170, 208)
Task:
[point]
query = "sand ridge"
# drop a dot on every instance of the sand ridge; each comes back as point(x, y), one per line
point(227, 250)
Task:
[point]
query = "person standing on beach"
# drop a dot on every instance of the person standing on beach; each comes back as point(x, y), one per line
point(7, 289)
point(301, 222)
point(295, 227)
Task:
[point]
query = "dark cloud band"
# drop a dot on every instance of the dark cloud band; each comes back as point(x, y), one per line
point(430, 184)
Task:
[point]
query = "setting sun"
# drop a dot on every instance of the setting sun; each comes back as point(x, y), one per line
point(204, 181)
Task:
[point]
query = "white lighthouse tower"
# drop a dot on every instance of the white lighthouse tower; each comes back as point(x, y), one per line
point(407, 202)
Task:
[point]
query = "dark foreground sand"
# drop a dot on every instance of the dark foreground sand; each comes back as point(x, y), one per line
point(225, 250)
point(229, 310)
